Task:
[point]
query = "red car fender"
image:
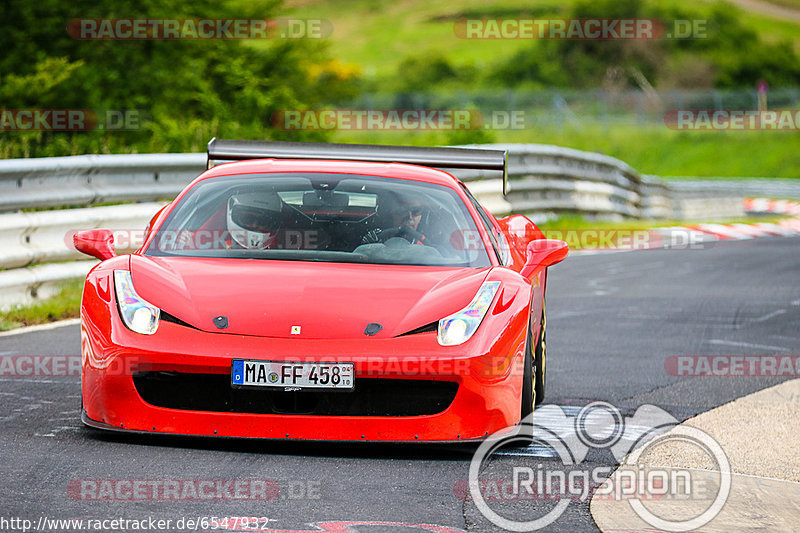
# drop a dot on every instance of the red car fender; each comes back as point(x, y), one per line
point(510, 315)
point(98, 302)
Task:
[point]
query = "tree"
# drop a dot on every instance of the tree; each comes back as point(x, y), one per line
point(190, 89)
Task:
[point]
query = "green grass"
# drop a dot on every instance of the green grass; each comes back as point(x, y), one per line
point(664, 152)
point(65, 304)
point(650, 149)
point(378, 34)
point(794, 4)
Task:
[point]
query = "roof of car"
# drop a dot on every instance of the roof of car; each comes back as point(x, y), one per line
point(389, 170)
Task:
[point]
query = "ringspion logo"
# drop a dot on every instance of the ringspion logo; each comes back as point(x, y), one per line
point(568, 439)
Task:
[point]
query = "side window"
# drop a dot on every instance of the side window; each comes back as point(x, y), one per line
point(498, 239)
point(503, 247)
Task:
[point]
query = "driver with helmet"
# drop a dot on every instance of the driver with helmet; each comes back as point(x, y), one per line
point(253, 220)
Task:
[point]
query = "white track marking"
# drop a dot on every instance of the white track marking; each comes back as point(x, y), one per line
point(564, 428)
point(42, 327)
point(532, 450)
point(57, 430)
point(769, 315)
point(37, 380)
point(748, 345)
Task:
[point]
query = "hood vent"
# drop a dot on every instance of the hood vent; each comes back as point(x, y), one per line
point(166, 317)
point(427, 328)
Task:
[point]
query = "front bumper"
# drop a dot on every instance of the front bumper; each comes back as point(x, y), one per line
point(487, 397)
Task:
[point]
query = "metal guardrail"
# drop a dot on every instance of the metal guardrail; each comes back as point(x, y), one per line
point(554, 179)
point(93, 179)
point(767, 187)
point(543, 179)
point(28, 285)
point(46, 236)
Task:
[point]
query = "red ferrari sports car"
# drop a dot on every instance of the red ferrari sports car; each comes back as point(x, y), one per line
point(322, 292)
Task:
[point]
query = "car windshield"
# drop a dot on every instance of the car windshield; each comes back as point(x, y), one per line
point(322, 217)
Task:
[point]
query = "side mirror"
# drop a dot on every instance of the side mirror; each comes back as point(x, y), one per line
point(543, 253)
point(98, 243)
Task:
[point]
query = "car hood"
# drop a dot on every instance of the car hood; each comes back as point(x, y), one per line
point(270, 298)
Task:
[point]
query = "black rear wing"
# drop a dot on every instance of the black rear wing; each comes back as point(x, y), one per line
point(457, 158)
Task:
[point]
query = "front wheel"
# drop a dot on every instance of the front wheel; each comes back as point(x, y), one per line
point(528, 388)
point(533, 374)
point(539, 361)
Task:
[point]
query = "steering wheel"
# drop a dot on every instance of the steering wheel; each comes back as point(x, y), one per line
point(408, 234)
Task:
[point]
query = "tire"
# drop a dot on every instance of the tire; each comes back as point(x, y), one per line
point(528, 389)
point(539, 361)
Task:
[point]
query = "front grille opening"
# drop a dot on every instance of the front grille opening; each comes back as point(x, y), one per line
point(294, 403)
point(370, 396)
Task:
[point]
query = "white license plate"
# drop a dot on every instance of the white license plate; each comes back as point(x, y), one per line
point(292, 375)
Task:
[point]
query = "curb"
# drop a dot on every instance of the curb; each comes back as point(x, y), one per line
point(41, 327)
point(697, 236)
point(791, 226)
point(764, 469)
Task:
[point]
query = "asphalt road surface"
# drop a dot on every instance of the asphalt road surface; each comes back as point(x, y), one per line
point(613, 320)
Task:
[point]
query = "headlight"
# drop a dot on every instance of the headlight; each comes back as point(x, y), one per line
point(459, 327)
point(139, 315)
